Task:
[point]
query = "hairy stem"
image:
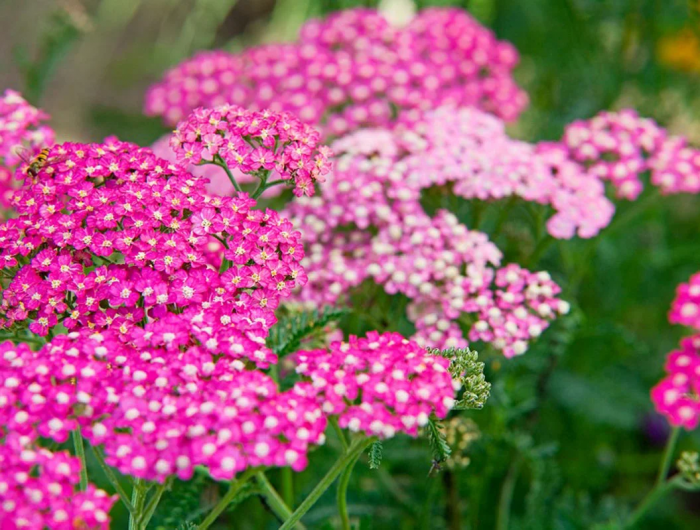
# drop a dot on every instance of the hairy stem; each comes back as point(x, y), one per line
point(288, 486)
point(274, 500)
point(343, 494)
point(138, 498)
point(668, 456)
point(222, 164)
point(153, 503)
point(355, 449)
point(236, 486)
point(659, 491)
point(506, 497)
point(80, 453)
point(113, 479)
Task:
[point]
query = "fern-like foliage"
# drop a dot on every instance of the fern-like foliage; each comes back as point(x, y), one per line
point(286, 336)
point(466, 368)
point(375, 455)
point(438, 443)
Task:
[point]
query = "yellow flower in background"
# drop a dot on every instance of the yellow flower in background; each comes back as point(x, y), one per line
point(680, 51)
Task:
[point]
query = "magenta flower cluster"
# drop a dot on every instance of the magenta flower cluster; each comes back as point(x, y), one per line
point(380, 385)
point(38, 490)
point(23, 132)
point(352, 70)
point(448, 271)
point(112, 236)
point(258, 143)
point(676, 396)
point(621, 146)
point(167, 401)
point(685, 308)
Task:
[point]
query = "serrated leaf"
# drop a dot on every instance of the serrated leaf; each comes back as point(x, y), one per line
point(375, 455)
point(286, 336)
point(438, 444)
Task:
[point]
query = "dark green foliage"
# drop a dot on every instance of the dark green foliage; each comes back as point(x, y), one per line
point(58, 35)
point(286, 336)
point(375, 455)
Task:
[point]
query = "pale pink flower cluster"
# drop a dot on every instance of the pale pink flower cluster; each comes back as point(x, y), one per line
point(621, 146)
point(262, 144)
point(23, 133)
point(445, 269)
point(381, 384)
point(38, 489)
point(352, 70)
point(677, 395)
point(471, 149)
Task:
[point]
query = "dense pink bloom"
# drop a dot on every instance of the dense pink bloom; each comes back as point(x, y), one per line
point(112, 237)
point(676, 396)
point(471, 150)
point(264, 144)
point(353, 70)
point(38, 489)
point(445, 269)
point(22, 132)
point(380, 385)
point(176, 396)
point(621, 147)
point(685, 308)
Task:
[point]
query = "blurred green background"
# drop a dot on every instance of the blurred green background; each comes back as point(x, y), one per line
point(568, 438)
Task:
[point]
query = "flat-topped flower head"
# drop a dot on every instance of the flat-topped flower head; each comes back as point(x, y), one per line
point(353, 70)
point(264, 144)
point(161, 405)
point(39, 489)
point(381, 384)
point(111, 236)
point(444, 268)
point(621, 147)
point(676, 396)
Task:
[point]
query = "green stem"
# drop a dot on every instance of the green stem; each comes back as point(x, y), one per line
point(236, 486)
point(288, 486)
point(153, 503)
point(343, 494)
point(668, 455)
point(274, 501)
point(339, 432)
point(80, 453)
point(138, 498)
point(356, 447)
point(113, 479)
point(506, 497)
point(650, 500)
point(220, 162)
point(540, 249)
point(261, 187)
